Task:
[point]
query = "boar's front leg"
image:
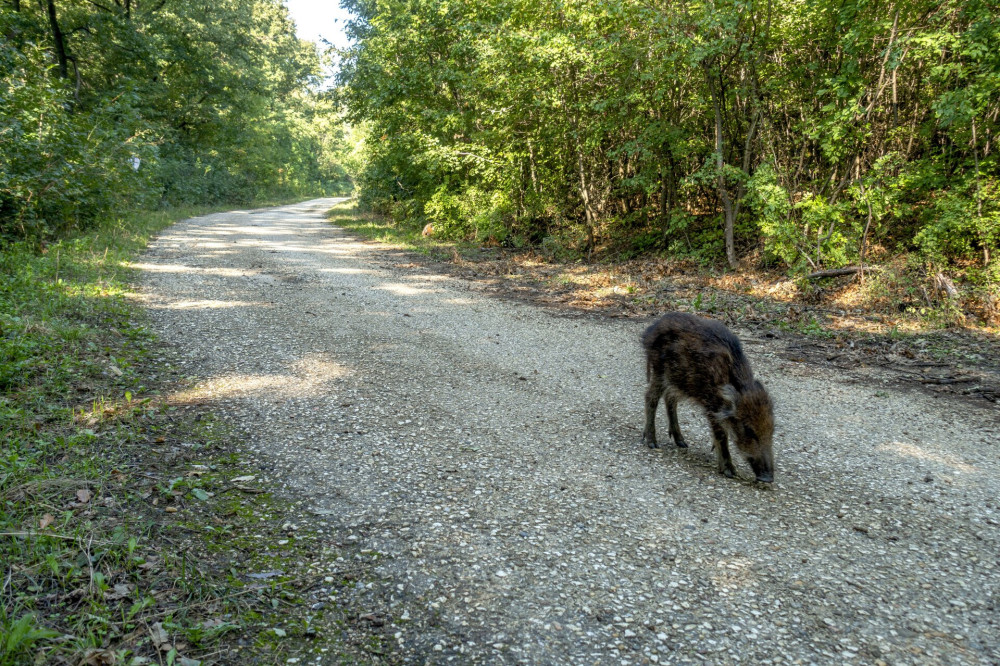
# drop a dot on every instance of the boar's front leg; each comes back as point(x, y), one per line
point(721, 445)
point(675, 426)
point(653, 395)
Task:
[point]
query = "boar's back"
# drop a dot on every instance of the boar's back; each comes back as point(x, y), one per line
point(696, 356)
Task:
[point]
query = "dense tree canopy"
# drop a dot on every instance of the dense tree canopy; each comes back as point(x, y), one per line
point(130, 102)
point(806, 134)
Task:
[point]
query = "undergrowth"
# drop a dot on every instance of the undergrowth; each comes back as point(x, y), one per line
point(901, 293)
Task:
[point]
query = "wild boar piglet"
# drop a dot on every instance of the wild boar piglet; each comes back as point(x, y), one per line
point(698, 359)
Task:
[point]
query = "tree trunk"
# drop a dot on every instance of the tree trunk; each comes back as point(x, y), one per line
point(727, 203)
point(60, 43)
point(585, 195)
point(531, 165)
point(663, 200)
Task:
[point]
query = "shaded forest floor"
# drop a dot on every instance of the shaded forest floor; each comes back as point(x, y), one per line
point(882, 321)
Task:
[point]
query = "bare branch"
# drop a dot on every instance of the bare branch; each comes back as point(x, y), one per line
point(837, 272)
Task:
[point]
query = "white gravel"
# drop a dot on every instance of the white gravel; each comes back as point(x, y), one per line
point(490, 453)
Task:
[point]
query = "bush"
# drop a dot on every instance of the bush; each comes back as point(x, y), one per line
point(963, 226)
point(61, 168)
point(473, 214)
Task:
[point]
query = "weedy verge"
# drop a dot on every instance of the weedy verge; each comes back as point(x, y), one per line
point(130, 530)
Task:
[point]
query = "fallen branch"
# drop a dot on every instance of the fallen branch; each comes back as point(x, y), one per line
point(946, 380)
point(836, 272)
point(20, 492)
point(245, 489)
point(52, 535)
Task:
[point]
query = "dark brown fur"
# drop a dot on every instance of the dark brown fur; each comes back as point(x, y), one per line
point(689, 357)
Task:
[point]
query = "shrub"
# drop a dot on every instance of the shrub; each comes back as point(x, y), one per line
point(963, 225)
point(61, 168)
point(472, 214)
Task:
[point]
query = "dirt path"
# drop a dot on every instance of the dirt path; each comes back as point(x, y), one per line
point(489, 452)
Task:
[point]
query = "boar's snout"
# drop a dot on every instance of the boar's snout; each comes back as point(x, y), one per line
point(763, 466)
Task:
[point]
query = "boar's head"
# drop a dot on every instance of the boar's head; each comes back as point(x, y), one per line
point(749, 415)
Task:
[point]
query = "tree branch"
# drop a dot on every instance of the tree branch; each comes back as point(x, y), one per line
point(837, 272)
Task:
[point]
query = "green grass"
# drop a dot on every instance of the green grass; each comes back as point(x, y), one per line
point(377, 227)
point(406, 233)
point(118, 519)
point(73, 401)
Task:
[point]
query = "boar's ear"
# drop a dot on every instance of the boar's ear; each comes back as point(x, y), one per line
point(729, 396)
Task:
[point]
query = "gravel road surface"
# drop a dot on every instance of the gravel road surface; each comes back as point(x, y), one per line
point(489, 452)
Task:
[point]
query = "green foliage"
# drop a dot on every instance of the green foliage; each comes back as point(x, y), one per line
point(822, 228)
point(470, 215)
point(17, 637)
point(131, 104)
point(963, 224)
point(823, 132)
point(59, 169)
point(772, 209)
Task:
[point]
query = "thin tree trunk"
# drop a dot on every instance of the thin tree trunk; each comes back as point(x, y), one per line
point(531, 165)
point(589, 213)
point(979, 193)
point(727, 204)
point(79, 81)
point(663, 200)
point(60, 43)
point(585, 195)
point(864, 235)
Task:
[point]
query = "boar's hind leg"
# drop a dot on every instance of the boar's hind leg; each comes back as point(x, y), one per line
point(675, 426)
point(653, 395)
point(721, 445)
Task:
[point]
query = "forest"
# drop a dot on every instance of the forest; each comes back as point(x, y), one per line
point(133, 104)
point(796, 136)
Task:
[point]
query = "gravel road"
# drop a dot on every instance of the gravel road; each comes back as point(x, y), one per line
point(489, 452)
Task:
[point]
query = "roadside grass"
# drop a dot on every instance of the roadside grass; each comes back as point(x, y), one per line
point(377, 227)
point(128, 522)
point(405, 233)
